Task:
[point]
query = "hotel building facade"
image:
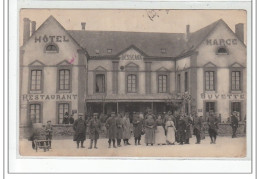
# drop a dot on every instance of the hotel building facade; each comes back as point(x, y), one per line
point(81, 71)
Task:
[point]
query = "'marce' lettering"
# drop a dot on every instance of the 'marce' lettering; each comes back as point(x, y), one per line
point(221, 42)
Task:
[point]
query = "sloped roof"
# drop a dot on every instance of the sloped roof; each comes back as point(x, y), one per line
point(149, 42)
point(197, 37)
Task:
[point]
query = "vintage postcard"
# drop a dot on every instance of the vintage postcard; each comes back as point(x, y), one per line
point(133, 83)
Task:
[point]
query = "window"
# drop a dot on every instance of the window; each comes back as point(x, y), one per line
point(51, 48)
point(186, 81)
point(163, 50)
point(179, 83)
point(100, 83)
point(35, 113)
point(64, 79)
point(36, 80)
point(131, 83)
point(162, 83)
point(235, 80)
point(210, 106)
point(62, 108)
point(109, 50)
point(236, 106)
point(209, 81)
point(222, 50)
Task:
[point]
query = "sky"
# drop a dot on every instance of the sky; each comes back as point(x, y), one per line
point(173, 21)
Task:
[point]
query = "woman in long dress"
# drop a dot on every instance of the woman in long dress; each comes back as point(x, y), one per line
point(126, 129)
point(170, 131)
point(160, 137)
point(149, 130)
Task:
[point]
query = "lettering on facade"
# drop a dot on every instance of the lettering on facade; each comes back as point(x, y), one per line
point(49, 97)
point(51, 38)
point(131, 55)
point(222, 96)
point(221, 42)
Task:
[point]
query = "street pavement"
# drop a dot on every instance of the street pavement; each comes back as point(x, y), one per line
point(224, 147)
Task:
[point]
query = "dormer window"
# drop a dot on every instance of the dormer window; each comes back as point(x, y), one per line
point(222, 51)
point(109, 50)
point(51, 48)
point(163, 50)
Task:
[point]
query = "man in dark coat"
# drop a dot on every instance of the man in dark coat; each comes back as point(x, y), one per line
point(111, 129)
point(119, 129)
point(197, 124)
point(66, 118)
point(234, 124)
point(94, 129)
point(79, 127)
point(181, 130)
point(71, 119)
point(49, 131)
point(213, 126)
point(188, 122)
point(137, 128)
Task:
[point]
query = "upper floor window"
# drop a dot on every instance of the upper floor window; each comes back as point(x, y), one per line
point(235, 80)
point(131, 83)
point(52, 48)
point(209, 80)
point(64, 79)
point(162, 83)
point(222, 50)
point(36, 80)
point(100, 83)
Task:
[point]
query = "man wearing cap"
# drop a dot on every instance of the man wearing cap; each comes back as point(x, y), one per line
point(94, 128)
point(48, 130)
point(181, 130)
point(197, 124)
point(213, 126)
point(111, 129)
point(79, 127)
point(234, 124)
point(119, 129)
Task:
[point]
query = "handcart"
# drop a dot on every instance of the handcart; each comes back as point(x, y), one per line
point(40, 141)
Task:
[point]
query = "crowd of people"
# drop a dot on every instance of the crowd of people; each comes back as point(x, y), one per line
point(166, 129)
point(160, 129)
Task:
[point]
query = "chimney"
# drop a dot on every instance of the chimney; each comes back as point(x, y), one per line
point(26, 30)
point(33, 27)
point(187, 32)
point(239, 31)
point(83, 25)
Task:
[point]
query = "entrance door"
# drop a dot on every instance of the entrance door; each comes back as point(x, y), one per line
point(236, 106)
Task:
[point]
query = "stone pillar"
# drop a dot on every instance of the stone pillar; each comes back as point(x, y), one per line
point(115, 78)
point(148, 77)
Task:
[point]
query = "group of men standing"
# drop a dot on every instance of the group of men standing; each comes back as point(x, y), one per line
point(118, 128)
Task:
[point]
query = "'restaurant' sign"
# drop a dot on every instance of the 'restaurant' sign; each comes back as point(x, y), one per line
point(49, 97)
point(51, 38)
point(221, 42)
point(222, 96)
point(131, 55)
